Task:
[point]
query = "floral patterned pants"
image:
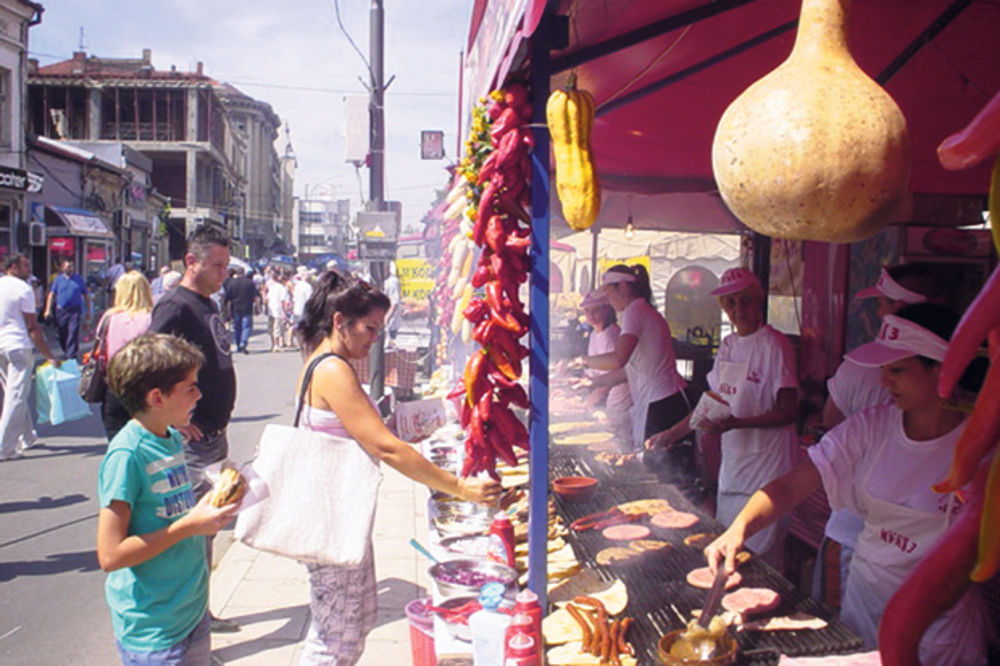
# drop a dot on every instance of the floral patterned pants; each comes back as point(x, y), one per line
point(343, 604)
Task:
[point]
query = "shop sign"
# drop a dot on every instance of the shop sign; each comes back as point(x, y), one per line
point(416, 278)
point(61, 245)
point(23, 181)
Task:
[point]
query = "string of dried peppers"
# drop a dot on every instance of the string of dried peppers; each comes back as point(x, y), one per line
point(496, 169)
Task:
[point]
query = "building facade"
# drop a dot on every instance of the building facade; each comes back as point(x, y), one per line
point(175, 119)
point(323, 229)
point(16, 18)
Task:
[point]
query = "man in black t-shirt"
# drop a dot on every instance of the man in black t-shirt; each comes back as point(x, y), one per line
point(240, 295)
point(189, 312)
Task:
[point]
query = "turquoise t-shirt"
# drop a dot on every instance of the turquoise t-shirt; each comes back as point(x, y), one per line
point(156, 604)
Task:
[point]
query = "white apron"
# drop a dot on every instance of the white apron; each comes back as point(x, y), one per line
point(894, 539)
point(745, 467)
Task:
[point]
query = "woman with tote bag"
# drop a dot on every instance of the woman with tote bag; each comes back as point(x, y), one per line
point(342, 320)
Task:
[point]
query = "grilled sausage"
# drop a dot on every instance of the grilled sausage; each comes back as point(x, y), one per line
point(578, 616)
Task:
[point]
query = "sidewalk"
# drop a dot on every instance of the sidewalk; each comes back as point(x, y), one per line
point(269, 595)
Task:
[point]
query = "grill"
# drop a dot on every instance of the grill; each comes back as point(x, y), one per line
point(658, 591)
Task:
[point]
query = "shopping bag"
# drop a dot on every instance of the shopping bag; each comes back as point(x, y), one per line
point(94, 373)
point(320, 503)
point(57, 399)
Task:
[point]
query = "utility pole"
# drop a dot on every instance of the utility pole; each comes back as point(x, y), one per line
point(376, 145)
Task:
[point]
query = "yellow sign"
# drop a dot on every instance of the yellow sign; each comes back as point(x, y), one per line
point(416, 278)
point(375, 233)
point(604, 263)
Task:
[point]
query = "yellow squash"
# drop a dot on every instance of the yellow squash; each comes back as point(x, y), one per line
point(570, 116)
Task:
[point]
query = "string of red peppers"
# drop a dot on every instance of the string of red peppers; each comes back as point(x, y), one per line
point(489, 383)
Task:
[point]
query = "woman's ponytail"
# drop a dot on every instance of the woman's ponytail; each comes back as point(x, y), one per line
point(641, 284)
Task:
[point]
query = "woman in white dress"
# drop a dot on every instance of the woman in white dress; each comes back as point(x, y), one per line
point(608, 390)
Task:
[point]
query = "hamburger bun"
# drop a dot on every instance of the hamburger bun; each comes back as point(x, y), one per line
point(229, 488)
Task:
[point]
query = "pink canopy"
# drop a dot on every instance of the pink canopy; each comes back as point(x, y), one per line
point(661, 92)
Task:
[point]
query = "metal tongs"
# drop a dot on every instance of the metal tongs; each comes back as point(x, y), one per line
point(712, 602)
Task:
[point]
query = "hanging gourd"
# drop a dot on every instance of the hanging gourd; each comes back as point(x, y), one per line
point(570, 116)
point(815, 150)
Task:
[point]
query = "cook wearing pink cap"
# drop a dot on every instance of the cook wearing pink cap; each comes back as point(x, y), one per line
point(880, 463)
point(855, 387)
point(645, 350)
point(755, 372)
point(608, 389)
point(734, 280)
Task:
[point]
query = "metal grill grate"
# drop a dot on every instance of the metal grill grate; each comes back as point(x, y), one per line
point(656, 583)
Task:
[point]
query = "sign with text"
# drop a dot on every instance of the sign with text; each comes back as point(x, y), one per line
point(416, 278)
point(431, 145)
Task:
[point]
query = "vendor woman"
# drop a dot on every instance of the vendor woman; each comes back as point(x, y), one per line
point(755, 373)
point(880, 463)
point(645, 350)
point(608, 389)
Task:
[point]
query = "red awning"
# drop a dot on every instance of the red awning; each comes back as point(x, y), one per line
point(661, 141)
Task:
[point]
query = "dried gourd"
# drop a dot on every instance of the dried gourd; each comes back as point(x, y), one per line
point(570, 117)
point(815, 150)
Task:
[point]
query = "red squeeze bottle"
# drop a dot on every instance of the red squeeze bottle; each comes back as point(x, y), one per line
point(520, 649)
point(526, 602)
point(501, 544)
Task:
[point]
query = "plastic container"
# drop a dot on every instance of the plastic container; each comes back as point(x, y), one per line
point(526, 602)
point(521, 650)
point(488, 627)
point(421, 632)
point(501, 545)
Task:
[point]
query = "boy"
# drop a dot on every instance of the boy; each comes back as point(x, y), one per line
point(149, 529)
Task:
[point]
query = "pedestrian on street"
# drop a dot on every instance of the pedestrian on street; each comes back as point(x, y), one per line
point(277, 294)
point(189, 312)
point(301, 291)
point(151, 528)
point(240, 296)
point(156, 287)
point(342, 321)
point(71, 300)
point(127, 319)
point(18, 330)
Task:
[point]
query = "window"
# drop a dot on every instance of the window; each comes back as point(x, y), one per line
point(5, 104)
point(5, 231)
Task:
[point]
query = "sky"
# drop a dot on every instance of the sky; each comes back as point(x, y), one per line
point(294, 56)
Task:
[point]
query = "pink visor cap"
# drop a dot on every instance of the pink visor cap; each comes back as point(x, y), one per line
point(889, 288)
point(898, 339)
point(734, 280)
point(594, 298)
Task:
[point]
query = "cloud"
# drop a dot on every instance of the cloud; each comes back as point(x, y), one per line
point(273, 51)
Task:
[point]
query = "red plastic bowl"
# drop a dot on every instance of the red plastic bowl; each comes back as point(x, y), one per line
point(574, 488)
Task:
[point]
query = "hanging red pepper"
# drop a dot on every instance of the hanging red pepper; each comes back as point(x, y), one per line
point(988, 560)
point(476, 310)
point(509, 367)
point(979, 437)
point(507, 121)
point(482, 275)
point(982, 317)
point(484, 332)
point(513, 395)
point(485, 406)
point(501, 447)
point(976, 141)
point(475, 371)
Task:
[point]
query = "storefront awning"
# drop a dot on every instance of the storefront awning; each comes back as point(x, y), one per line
point(76, 222)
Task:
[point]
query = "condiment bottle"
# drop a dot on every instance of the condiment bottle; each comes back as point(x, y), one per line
point(526, 602)
point(488, 627)
point(501, 542)
point(522, 650)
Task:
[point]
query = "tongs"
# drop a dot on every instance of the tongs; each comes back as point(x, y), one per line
point(712, 602)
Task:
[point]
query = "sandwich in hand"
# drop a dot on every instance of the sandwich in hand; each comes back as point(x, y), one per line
point(229, 488)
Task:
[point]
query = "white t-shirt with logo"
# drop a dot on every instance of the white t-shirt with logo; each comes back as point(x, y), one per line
point(619, 401)
point(762, 364)
point(853, 388)
point(652, 368)
point(16, 300)
point(902, 474)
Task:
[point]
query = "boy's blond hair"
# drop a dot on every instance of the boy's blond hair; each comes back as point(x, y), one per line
point(152, 361)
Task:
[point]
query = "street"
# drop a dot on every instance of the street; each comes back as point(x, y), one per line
point(52, 609)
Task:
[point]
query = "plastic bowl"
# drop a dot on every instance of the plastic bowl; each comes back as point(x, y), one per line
point(574, 488)
point(465, 578)
point(727, 657)
point(460, 631)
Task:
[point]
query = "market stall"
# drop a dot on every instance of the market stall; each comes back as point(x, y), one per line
point(661, 75)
